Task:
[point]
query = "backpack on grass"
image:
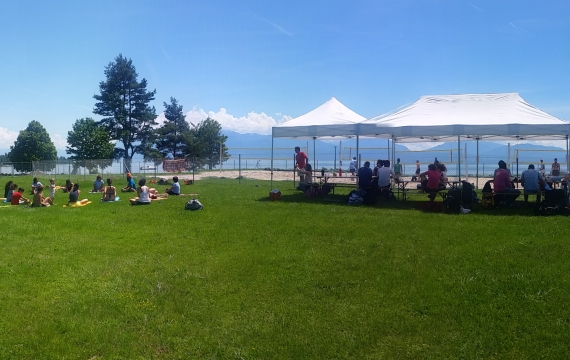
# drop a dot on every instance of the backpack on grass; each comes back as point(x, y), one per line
point(194, 205)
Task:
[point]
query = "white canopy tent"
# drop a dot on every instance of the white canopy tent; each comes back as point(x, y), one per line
point(470, 117)
point(331, 119)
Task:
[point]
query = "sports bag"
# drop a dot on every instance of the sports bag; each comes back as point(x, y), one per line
point(194, 205)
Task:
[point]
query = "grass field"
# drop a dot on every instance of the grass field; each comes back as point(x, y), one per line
point(300, 278)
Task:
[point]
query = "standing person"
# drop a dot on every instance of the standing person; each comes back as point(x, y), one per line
point(110, 192)
point(542, 168)
point(301, 161)
point(398, 168)
point(131, 185)
point(175, 188)
point(39, 198)
point(555, 170)
point(98, 184)
point(144, 194)
point(52, 189)
point(531, 181)
point(503, 185)
point(418, 171)
point(352, 166)
point(436, 162)
point(18, 197)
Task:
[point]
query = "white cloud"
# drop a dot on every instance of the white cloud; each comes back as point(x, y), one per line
point(257, 123)
point(7, 137)
point(59, 141)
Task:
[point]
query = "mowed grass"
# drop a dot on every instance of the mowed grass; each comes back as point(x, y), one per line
point(301, 278)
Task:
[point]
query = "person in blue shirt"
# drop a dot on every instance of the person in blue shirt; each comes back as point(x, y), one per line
point(531, 182)
point(175, 188)
point(131, 185)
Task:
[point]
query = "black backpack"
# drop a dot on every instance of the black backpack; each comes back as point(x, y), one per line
point(453, 201)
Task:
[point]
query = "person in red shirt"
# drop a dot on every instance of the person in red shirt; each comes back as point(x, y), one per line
point(432, 185)
point(18, 198)
point(503, 185)
point(301, 158)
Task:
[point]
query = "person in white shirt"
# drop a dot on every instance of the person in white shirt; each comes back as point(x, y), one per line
point(352, 166)
point(175, 188)
point(384, 175)
point(144, 194)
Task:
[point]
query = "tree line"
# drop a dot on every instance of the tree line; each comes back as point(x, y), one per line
point(128, 127)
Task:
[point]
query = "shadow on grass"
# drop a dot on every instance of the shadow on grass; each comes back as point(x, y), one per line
point(519, 209)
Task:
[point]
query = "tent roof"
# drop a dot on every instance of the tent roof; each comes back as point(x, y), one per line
point(489, 116)
point(332, 118)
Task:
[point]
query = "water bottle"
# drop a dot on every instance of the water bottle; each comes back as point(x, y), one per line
point(339, 171)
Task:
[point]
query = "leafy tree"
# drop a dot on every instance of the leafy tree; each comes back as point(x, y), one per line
point(206, 143)
point(124, 104)
point(89, 141)
point(32, 144)
point(170, 137)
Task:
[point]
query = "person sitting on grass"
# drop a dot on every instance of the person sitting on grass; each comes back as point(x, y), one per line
point(175, 188)
point(98, 184)
point(131, 185)
point(39, 198)
point(531, 182)
point(74, 196)
point(109, 192)
point(68, 186)
point(144, 194)
point(155, 195)
point(35, 185)
point(18, 197)
point(7, 188)
point(13, 189)
point(432, 184)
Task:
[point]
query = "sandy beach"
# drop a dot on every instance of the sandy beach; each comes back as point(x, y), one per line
point(290, 176)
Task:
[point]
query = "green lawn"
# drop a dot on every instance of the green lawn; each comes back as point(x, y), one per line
point(300, 278)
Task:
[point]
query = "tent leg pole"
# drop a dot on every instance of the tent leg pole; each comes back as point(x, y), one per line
point(271, 183)
point(459, 157)
point(477, 167)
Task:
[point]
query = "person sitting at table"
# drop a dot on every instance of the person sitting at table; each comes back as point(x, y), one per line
point(442, 175)
point(504, 186)
point(379, 164)
point(555, 170)
point(307, 172)
point(531, 182)
point(385, 173)
point(365, 177)
point(433, 183)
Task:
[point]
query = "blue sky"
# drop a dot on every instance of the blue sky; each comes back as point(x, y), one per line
point(250, 64)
